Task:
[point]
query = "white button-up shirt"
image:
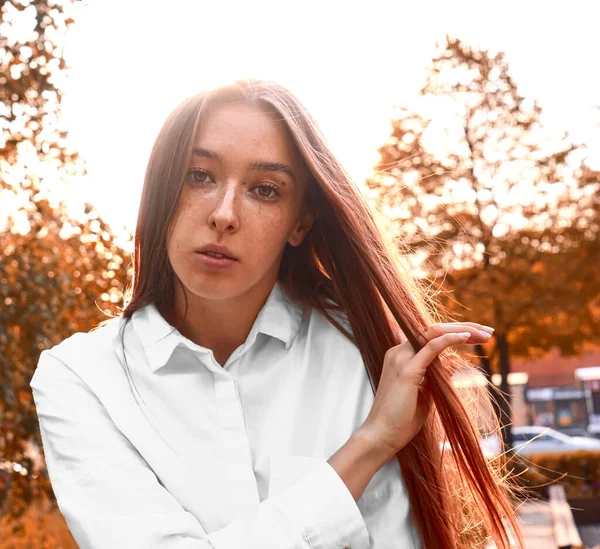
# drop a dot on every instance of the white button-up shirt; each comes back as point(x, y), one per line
point(193, 455)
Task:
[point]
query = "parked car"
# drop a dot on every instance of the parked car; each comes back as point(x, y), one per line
point(534, 439)
point(488, 448)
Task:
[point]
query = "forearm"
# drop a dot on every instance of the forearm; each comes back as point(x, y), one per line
point(358, 460)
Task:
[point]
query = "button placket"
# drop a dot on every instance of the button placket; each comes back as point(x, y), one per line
point(235, 443)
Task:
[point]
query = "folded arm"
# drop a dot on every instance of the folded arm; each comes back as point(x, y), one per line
point(111, 498)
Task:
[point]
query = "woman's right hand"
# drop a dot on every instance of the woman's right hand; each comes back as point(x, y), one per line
point(401, 406)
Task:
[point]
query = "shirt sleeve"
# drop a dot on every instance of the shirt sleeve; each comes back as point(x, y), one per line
point(111, 498)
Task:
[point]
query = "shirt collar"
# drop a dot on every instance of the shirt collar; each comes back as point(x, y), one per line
point(279, 318)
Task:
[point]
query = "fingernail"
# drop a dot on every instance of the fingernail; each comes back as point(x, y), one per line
point(485, 334)
point(488, 327)
point(464, 334)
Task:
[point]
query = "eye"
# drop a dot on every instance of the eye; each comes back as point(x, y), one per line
point(198, 176)
point(271, 192)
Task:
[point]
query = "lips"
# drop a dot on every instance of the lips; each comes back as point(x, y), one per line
point(214, 254)
point(214, 248)
point(214, 263)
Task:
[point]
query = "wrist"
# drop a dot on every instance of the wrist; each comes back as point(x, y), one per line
point(371, 440)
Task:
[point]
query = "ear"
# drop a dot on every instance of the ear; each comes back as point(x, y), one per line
point(301, 229)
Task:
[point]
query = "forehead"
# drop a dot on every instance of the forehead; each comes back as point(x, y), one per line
point(243, 128)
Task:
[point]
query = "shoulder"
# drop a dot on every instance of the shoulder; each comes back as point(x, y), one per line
point(323, 333)
point(80, 351)
point(334, 353)
point(320, 321)
point(99, 338)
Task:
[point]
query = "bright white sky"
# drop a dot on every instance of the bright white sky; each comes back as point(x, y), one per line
point(133, 61)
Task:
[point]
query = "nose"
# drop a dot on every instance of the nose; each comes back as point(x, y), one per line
point(224, 216)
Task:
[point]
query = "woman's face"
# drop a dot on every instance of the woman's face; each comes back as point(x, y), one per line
point(244, 190)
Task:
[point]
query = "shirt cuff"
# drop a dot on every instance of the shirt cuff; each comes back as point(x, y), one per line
point(325, 507)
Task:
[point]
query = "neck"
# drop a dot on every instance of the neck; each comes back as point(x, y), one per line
point(219, 325)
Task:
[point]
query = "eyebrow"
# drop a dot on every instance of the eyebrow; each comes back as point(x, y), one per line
point(258, 165)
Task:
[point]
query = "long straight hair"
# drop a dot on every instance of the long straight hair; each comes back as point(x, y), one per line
point(346, 264)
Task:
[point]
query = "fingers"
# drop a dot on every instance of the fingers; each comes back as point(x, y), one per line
point(415, 367)
point(475, 325)
point(435, 346)
point(478, 333)
point(439, 337)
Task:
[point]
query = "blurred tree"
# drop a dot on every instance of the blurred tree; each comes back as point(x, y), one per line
point(60, 272)
point(32, 72)
point(496, 205)
point(60, 278)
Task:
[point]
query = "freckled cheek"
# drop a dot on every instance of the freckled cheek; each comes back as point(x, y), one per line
point(190, 219)
point(194, 211)
point(179, 241)
point(266, 232)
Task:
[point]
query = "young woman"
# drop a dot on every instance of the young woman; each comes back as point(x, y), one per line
point(275, 380)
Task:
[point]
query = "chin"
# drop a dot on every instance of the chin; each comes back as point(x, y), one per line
point(216, 288)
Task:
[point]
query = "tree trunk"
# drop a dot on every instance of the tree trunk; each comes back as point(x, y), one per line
point(486, 366)
point(505, 396)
